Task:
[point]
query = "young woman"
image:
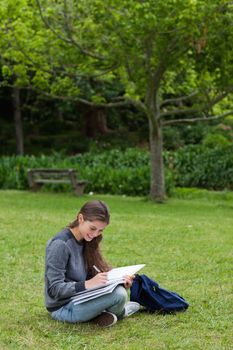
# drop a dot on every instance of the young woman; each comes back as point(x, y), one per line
point(70, 257)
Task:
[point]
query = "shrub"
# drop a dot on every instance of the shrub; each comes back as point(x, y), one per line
point(113, 171)
point(198, 166)
point(128, 172)
point(215, 141)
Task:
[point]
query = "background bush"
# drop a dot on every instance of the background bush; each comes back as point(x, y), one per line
point(128, 172)
point(203, 167)
point(112, 171)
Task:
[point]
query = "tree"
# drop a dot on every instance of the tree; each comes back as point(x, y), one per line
point(14, 66)
point(163, 53)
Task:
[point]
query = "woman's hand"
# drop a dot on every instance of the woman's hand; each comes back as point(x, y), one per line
point(99, 279)
point(128, 281)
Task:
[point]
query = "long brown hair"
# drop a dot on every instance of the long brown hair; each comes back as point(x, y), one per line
point(91, 211)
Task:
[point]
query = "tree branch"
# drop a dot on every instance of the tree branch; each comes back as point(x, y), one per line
point(178, 99)
point(219, 98)
point(206, 107)
point(194, 120)
point(105, 71)
point(161, 68)
point(126, 102)
point(62, 68)
point(162, 65)
point(179, 111)
point(70, 40)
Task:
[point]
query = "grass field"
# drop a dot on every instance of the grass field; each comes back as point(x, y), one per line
point(186, 244)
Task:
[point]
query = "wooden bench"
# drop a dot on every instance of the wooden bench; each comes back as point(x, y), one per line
point(39, 177)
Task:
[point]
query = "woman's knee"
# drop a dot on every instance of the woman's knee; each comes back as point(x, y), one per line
point(120, 294)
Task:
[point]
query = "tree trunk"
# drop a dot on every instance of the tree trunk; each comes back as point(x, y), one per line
point(60, 115)
point(102, 122)
point(95, 122)
point(90, 127)
point(157, 186)
point(18, 121)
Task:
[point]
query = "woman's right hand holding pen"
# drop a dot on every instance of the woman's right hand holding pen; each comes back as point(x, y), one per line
point(99, 279)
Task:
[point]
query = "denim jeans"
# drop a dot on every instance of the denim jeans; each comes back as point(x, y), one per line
point(113, 302)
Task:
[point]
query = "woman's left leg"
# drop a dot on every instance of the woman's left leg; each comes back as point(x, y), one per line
point(113, 302)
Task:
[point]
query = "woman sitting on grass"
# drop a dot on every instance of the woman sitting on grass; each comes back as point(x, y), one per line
point(70, 257)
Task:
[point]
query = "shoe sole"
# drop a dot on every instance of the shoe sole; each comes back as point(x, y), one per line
point(105, 319)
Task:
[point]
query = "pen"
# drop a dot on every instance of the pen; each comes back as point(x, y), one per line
point(96, 268)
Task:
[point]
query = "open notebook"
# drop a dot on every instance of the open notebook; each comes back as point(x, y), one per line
point(115, 277)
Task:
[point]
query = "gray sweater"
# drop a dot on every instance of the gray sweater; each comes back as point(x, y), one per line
point(65, 272)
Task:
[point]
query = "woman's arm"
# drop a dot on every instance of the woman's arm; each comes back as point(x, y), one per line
point(57, 256)
point(100, 279)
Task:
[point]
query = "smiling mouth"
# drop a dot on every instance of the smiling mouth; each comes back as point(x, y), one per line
point(90, 237)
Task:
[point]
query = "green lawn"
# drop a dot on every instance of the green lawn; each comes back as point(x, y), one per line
point(186, 244)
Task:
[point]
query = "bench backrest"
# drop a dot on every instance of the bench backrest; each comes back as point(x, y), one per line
point(52, 173)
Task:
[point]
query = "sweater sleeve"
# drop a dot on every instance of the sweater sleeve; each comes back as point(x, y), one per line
point(57, 256)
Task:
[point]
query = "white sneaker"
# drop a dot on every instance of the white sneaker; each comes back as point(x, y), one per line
point(131, 307)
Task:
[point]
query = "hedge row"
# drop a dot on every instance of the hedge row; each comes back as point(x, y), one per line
point(198, 166)
point(108, 172)
point(128, 172)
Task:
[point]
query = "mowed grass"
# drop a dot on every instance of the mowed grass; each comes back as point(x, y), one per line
point(186, 244)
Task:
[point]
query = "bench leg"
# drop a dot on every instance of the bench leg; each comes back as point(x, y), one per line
point(79, 189)
point(32, 184)
point(36, 187)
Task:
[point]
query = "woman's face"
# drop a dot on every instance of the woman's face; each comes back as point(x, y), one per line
point(90, 229)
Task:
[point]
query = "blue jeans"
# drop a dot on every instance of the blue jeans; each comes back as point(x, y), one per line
point(113, 302)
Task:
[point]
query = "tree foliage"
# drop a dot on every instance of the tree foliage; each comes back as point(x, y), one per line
point(172, 60)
